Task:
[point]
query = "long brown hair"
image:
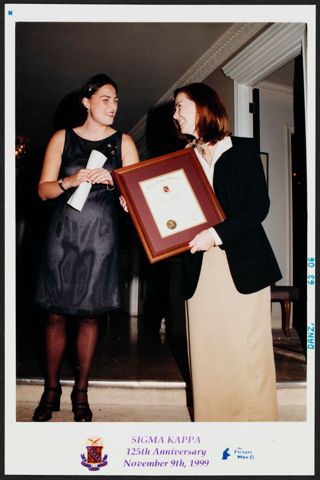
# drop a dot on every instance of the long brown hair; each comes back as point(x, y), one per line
point(212, 122)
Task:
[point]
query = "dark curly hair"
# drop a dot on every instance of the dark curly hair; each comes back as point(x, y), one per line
point(94, 83)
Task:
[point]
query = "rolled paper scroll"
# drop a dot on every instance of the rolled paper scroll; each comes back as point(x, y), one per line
point(79, 196)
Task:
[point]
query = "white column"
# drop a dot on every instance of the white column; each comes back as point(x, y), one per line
point(242, 116)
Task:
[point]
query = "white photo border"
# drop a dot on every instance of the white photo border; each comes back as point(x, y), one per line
point(285, 448)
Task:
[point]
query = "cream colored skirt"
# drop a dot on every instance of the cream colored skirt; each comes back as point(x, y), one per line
point(230, 348)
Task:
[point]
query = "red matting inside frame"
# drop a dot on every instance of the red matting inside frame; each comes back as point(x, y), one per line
point(128, 179)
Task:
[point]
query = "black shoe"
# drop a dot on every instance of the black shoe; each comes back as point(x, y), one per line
point(80, 405)
point(49, 403)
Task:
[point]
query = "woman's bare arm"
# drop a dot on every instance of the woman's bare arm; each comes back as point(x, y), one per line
point(48, 187)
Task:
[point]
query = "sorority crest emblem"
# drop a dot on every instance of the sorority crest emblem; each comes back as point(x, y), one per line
point(94, 459)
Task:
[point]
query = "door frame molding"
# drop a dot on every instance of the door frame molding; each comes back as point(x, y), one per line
point(275, 47)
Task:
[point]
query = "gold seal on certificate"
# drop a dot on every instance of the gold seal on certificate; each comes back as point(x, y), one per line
point(171, 224)
point(172, 192)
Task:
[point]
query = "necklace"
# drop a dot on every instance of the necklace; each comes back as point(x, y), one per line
point(206, 151)
point(203, 151)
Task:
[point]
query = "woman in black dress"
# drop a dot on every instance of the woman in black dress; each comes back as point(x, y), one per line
point(79, 271)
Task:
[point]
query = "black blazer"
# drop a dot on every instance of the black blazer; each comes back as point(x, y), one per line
point(240, 186)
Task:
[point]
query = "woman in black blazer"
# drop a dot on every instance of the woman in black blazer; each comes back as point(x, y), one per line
point(227, 273)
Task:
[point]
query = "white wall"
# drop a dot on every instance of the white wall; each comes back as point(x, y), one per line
point(276, 116)
point(224, 88)
point(276, 119)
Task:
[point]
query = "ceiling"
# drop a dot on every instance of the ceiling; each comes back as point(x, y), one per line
point(145, 59)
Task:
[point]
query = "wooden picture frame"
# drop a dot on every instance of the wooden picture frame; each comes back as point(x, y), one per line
point(170, 200)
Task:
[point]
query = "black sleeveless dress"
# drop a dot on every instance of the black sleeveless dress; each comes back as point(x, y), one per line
point(79, 268)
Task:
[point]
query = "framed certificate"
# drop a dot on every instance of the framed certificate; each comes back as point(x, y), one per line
point(170, 200)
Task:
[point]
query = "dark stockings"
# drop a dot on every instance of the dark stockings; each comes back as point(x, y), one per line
point(55, 342)
point(86, 343)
